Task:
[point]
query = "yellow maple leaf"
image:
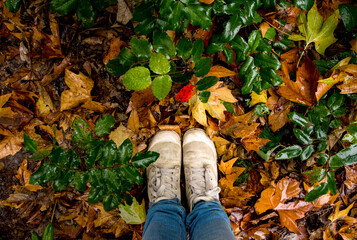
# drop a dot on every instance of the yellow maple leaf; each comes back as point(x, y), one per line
point(258, 98)
point(337, 214)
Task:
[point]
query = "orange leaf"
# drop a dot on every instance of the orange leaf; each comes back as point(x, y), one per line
point(303, 90)
point(241, 126)
point(207, 1)
point(253, 142)
point(114, 50)
point(353, 43)
point(337, 214)
point(219, 71)
point(264, 28)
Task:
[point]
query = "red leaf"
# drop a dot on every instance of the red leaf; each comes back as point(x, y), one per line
point(185, 93)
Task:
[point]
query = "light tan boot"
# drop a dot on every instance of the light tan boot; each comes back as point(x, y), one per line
point(164, 174)
point(200, 166)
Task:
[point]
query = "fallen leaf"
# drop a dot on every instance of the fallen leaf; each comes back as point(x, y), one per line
point(351, 177)
point(120, 134)
point(134, 213)
point(241, 126)
point(322, 200)
point(23, 174)
point(5, 112)
point(275, 198)
point(114, 49)
point(219, 71)
point(11, 142)
point(269, 173)
point(80, 87)
point(264, 28)
point(207, 1)
point(44, 104)
point(303, 89)
point(353, 43)
point(124, 14)
point(337, 214)
point(253, 142)
point(134, 121)
point(258, 98)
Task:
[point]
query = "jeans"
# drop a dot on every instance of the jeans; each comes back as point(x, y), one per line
point(166, 220)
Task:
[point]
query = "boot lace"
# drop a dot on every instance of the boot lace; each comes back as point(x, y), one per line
point(163, 183)
point(201, 183)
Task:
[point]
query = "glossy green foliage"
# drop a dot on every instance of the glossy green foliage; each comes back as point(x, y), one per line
point(105, 166)
point(13, 5)
point(86, 10)
point(348, 14)
point(48, 234)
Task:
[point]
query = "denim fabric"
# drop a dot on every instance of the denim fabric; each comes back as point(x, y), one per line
point(167, 220)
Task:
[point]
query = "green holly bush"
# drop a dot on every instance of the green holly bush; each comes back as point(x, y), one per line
point(111, 171)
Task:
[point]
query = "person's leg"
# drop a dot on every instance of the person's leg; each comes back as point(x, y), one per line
point(166, 216)
point(209, 221)
point(165, 220)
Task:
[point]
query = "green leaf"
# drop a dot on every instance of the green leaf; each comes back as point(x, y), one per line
point(164, 44)
point(270, 34)
point(137, 78)
point(161, 86)
point(142, 48)
point(206, 82)
point(229, 107)
point(115, 67)
point(215, 45)
point(335, 101)
point(80, 181)
point(269, 4)
point(304, 4)
point(335, 123)
point(86, 13)
point(13, 5)
point(317, 192)
point(30, 144)
point(34, 236)
point(63, 6)
point(184, 48)
point(112, 180)
point(159, 64)
point(200, 15)
point(266, 156)
point(103, 125)
point(266, 60)
point(59, 156)
point(241, 48)
point(340, 112)
point(309, 129)
point(298, 119)
point(110, 201)
point(202, 67)
point(96, 194)
point(302, 136)
point(143, 10)
point(109, 154)
point(131, 174)
point(94, 151)
point(95, 177)
point(318, 31)
point(82, 134)
point(297, 37)
point(133, 214)
point(197, 50)
point(315, 175)
point(249, 74)
point(307, 152)
point(221, 7)
point(228, 53)
point(125, 151)
point(348, 14)
point(289, 152)
point(102, 4)
point(63, 181)
point(323, 157)
point(40, 156)
point(204, 96)
point(345, 157)
point(44, 174)
point(254, 40)
point(231, 28)
point(320, 133)
point(143, 160)
point(48, 233)
point(145, 27)
point(331, 182)
point(173, 12)
point(322, 146)
point(126, 57)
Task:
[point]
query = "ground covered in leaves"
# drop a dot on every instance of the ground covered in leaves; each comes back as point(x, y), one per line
point(277, 96)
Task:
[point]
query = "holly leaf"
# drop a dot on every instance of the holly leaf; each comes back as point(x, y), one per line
point(315, 30)
point(134, 213)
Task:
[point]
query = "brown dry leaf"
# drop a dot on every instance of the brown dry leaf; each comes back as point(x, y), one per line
point(253, 142)
point(275, 197)
point(291, 57)
point(207, 1)
point(219, 71)
point(234, 197)
point(258, 98)
point(337, 214)
point(124, 14)
point(353, 43)
point(303, 90)
point(279, 108)
point(175, 128)
point(269, 174)
point(16, 200)
point(23, 174)
point(57, 71)
point(114, 50)
point(241, 126)
point(293, 13)
point(264, 28)
point(44, 104)
point(134, 121)
point(5, 112)
point(351, 177)
point(11, 142)
point(120, 134)
point(349, 232)
point(80, 87)
point(142, 98)
point(221, 144)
